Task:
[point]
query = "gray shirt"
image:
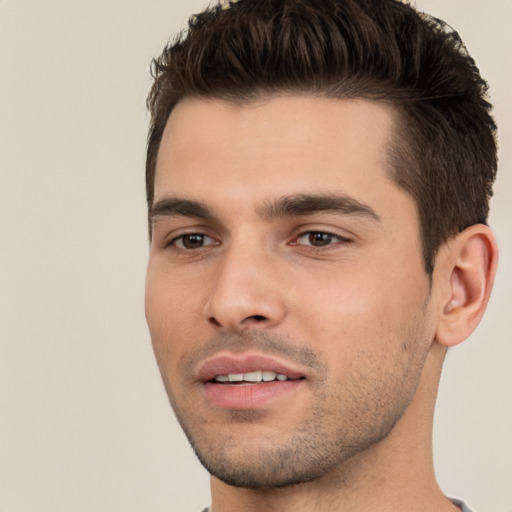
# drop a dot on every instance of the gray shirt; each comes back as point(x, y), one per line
point(460, 504)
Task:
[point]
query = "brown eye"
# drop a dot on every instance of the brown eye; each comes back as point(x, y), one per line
point(192, 241)
point(318, 239)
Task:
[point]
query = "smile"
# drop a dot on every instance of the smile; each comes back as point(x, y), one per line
point(252, 368)
point(248, 381)
point(251, 377)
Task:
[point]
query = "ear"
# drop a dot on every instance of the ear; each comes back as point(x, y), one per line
point(467, 266)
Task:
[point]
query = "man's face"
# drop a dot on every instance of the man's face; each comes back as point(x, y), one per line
point(286, 296)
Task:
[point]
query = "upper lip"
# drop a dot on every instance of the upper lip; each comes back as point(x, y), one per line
point(244, 363)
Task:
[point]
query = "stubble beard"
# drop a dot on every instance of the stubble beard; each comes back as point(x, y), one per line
point(309, 454)
point(338, 427)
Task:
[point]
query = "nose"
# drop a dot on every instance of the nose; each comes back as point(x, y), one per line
point(246, 293)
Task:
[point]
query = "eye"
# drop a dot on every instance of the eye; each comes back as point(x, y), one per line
point(319, 239)
point(191, 241)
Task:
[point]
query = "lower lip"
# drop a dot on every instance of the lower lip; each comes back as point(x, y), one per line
point(248, 396)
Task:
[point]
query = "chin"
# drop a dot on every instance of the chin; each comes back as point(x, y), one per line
point(278, 463)
point(276, 471)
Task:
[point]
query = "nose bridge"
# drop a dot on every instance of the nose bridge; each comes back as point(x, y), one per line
point(246, 290)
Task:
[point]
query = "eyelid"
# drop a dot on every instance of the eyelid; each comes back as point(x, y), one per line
point(341, 238)
point(174, 240)
point(335, 239)
point(168, 233)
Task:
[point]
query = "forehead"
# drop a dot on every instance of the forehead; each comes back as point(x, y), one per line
point(283, 145)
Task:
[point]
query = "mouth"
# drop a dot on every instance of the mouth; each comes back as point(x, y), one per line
point(251, 377)
point(241, 382)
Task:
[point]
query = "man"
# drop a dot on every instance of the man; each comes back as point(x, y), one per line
point(318, 177)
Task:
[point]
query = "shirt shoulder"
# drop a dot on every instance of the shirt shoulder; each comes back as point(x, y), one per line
point(459, 503)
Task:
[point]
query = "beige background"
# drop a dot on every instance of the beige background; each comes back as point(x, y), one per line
point(84, 421)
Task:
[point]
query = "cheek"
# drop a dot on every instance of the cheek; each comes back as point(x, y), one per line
point(173, 296)
point(171, 310)
point(364, 310)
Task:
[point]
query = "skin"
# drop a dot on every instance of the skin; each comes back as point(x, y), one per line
point(336, 292)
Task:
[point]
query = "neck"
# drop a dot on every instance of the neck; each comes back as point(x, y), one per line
point(395, 475)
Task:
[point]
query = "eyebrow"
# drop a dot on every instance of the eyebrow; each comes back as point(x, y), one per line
point(288, 206)
point(306, 204)
point(175, 206)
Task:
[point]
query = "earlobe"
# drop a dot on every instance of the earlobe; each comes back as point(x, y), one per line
point(468, 264)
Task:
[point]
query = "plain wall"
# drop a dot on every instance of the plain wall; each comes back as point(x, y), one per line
point(84, 420)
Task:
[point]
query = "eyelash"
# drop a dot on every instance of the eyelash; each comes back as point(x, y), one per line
point(180, 240)
point(332, 237)
point(179, 243)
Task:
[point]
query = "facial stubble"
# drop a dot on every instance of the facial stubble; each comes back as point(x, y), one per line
point(338, 426)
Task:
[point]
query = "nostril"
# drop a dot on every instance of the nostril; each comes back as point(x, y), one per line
point(250, 319)
point(214, 321)
point(257, 318)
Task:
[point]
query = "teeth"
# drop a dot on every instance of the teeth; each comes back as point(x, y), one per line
point(257, 376)
point(268, 376)
point(253, 376)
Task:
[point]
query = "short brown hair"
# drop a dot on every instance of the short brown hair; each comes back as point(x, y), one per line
point(444, 150)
